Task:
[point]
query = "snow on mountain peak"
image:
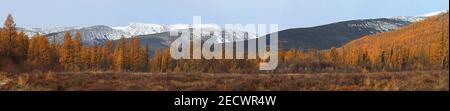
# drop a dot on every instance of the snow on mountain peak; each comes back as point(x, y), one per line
point(179, 26)
point(141, 29)
point(100, 33)
point(409, 18)
point(420, 17)
point(135, 28)
point(46, 30)
point(435, 13)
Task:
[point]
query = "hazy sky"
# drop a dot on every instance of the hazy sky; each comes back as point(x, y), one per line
point(286, 13)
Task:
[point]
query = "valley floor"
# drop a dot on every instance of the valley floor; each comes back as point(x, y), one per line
point(103, 81)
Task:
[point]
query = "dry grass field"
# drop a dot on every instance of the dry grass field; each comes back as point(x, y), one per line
point(437, 80)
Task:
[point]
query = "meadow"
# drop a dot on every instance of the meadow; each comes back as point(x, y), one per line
point(435, 80)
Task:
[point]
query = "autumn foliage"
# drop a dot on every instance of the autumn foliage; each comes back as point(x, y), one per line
point(419, 46)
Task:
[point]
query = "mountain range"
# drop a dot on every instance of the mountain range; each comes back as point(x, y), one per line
point(157, 36)
point(337, 34)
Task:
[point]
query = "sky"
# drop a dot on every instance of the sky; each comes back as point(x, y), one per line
point(285, 13)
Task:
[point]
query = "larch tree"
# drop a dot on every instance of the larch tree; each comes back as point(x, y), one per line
point(8, 34)
point(67, 51)
point(77, 45)
point(84, 58)
point(134, 46)
point(143, 58)
point(43, 53)
point(121, 56)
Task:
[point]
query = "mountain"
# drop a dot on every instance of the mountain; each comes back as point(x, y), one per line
point(418, 45)
point(320, 37)
point(337, 34)
point(45, 30)
point(163, 40)
point(100, 33)
point(420, 17)
point(145, 29)
point(90, 35)
point(435, 13)
point(421, 34)
point(162, 31)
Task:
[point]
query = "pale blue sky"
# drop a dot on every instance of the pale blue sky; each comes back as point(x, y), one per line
point(286, 13)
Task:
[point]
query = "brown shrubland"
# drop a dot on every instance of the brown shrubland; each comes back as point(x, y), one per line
point(437, 80)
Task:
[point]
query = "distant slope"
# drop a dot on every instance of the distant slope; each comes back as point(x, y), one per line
point(420, 44)
point(320, 37)
point(153, 41)
point(335, 34)
point(420, 34)
point(90, 35)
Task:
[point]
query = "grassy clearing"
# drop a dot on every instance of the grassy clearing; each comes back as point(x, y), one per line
point(106, 81)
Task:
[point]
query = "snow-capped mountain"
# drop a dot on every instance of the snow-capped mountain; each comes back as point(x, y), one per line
point(378, 25)
point(136, 29)
point(337, 34)
point(45, 30)
point(144, 29)
point(381, 25)
point(100, 33)
point(90, 35)
point(409, 18)
point(435, 13)
point(418, 18)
